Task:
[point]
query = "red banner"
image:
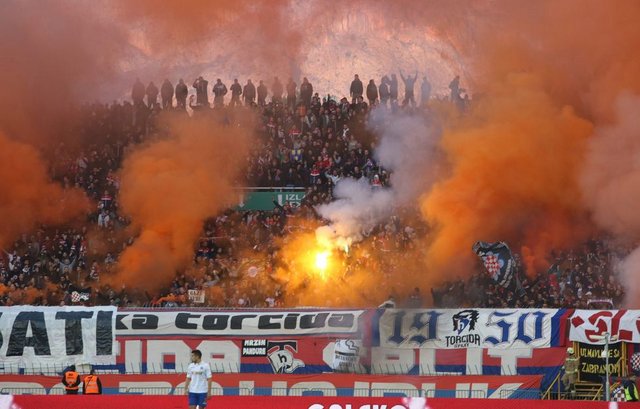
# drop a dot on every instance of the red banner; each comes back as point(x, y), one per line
point(245, 402)
point(231, 355)
point(299, 385)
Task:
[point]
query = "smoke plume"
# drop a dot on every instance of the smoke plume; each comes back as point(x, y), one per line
point(408, 148)
point(27, 196)
point(53, 53)
point(240, 37)
point(169, 187)
point(545, 82)
point(611, 185)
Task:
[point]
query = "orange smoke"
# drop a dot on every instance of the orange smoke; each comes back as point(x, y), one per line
point(27, 196)
point(258, 37)
point(515, 160)
point(170, 186)
point(52, 57)
point(548, 73)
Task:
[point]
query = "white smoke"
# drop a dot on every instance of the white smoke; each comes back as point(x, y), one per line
point(408, 149)
point(610, 182)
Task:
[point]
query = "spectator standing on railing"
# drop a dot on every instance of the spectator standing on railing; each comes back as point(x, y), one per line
point(181, 94)
point(306, 92)
point(219, 91)
point(166, 91)
point(236, 91)
point(71, 380)
point(152, 94)
point(356, 89)
point(202, 97)
point(277, 89)
point(198, 385)
point(249, 93)
point(262, 94)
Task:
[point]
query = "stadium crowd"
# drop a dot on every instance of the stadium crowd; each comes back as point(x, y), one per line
point(305, 140)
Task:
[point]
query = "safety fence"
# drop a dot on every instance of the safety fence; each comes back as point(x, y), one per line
point(362, 392)
point(304, 402)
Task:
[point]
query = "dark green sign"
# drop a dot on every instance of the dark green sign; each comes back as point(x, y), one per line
point(264, 200)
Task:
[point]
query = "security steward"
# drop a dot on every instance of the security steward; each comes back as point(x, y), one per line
point(570, 377)
point(91, 384)
point(630, 389)
point(71, 380)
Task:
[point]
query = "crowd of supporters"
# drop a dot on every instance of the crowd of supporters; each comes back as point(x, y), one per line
point(306, 140)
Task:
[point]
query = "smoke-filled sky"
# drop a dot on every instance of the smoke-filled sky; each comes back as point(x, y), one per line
point(545, 157)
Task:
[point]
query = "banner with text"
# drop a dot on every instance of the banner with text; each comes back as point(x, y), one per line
point(593, 365)
point(31, 336)
point(246, 323)
point(164, 354)
point(471, 361)
point(501, 387)
point(590, 326)
point(469, 328)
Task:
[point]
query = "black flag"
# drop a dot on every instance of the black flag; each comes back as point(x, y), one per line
point(498, 261)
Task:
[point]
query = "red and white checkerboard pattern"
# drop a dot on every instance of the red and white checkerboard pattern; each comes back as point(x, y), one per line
point(617, 395)
point(75, 296)
point(635, 362)
point(491, 263)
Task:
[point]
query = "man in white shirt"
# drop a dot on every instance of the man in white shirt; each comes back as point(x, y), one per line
point(198, 385)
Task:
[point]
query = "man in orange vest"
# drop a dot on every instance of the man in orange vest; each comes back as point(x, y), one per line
point(91, 384)
point(71, 380)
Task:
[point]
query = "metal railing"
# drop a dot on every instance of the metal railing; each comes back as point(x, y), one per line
point(180, 366)
point(304, 391)
point(555, 384)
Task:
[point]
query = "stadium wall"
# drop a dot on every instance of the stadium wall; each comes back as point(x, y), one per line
point(178, 402)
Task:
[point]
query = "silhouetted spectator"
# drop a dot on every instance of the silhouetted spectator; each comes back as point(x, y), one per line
point(454, 86)
point(262, 94)
point(425, 91)
point(236, 91)
point(166, 92)
point(393, 89)
point(356, 88)
point(372, 93)
point(181, 94)
point(219, 91)
point(306, 92)
point(291, 93)
point(249, 93)
point(409, 83)
point(152, 95)
point(383, 90)
point(138, 93)
point(277, 90)
point(202, 92)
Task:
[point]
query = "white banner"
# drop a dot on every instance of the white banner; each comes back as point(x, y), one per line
point(244, 324)
point(33, 336)
point(469, 328)
point(196, 296)
point(590, 326)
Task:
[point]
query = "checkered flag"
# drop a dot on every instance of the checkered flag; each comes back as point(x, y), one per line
point(497, 260)
point(617, 395)
point(80, 294)
point(635, 363)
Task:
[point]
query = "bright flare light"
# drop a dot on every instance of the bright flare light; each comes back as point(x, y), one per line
point(322, 261)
